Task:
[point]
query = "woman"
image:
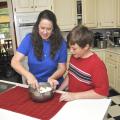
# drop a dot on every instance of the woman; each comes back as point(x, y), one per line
point(46, 51)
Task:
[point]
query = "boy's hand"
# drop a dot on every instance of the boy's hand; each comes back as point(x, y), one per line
point(68, 96)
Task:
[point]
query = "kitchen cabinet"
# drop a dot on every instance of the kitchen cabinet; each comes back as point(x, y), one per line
point(4, 19)
point(111, 68)
point(66, 13)
point(4, 13)
point(99, 13)
point(118, 13)
point(118, 77)
point(100, 53)
point(65, 10)
point(31, 5)
point(106, 13)
point(89, 13)
point(113, 64)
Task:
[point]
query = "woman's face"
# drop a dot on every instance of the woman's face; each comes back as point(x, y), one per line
point(45, 28)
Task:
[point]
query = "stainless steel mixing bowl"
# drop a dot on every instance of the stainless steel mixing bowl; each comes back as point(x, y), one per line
point(38, 96)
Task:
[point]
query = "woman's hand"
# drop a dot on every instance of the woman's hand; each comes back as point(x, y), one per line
point(53, 83)
point(31, 80)
point(68, 96)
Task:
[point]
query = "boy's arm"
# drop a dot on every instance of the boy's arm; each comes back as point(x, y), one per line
point(90, 94)
point(65, 83)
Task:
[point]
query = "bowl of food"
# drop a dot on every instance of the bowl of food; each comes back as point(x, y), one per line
point(42, 94)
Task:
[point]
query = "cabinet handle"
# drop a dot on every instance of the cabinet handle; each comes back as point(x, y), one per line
point(110, 55)
point(115, 67)
point(31, 6)
point(51, 7)
point(35, 6)
point(100, 23)
point(97, 24)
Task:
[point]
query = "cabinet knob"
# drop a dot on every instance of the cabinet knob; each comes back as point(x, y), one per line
point(51, 7)
point(110, 55)
point(97, 23)
point(100, 23)
point(31, 6)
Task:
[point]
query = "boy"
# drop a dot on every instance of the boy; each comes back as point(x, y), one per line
point(87, 75)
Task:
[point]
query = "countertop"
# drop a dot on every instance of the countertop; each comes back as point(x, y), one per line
point(83, 109)
point(109, 49)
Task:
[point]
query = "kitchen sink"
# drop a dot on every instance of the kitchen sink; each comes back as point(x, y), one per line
point(5, 86)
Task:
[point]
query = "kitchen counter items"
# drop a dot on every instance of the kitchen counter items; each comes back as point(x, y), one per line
point(5, 86)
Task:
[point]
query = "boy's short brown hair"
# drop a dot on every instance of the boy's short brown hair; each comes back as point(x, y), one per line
point(80, 35)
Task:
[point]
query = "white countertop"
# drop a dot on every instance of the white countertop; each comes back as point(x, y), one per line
point(83, 109)
point(10, 115)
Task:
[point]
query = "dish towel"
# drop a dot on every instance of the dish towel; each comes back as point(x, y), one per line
point(18, 100)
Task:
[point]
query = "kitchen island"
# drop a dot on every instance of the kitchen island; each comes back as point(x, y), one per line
point(84, 109)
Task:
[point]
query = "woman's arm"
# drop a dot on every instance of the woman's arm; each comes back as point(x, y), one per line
point(65, 83)
point(57, 74)
point(16, 64)
point(60, 71)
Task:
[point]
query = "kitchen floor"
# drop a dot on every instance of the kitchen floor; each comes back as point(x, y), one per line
point(114, 109)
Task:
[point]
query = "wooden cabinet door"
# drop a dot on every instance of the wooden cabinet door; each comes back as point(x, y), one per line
point(89, 13)
point(23, 6)
point(118, 79)
point(118, 13)
point(41, 5)
point(66, 14)
point(101, 54)
point(107, 13)
point(112, 70)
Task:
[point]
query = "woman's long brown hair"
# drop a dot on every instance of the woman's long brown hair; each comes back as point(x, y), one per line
point(55, 38)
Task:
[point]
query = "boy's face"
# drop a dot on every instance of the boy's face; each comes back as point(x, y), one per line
point(77, 51)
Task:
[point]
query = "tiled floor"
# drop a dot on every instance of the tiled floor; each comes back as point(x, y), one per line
point(114, 109)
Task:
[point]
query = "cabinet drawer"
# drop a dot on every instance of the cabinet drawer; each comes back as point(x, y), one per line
point(112, 56)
